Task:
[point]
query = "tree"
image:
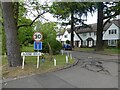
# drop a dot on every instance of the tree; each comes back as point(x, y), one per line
point(106, 11)
point(71, 11)
point(10, 27)
point(25, 33)
point(12, 14)
point(99, 44)
point(50, 44)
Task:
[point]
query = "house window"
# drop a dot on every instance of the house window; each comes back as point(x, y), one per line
point(113, 31)
point(112, 42)
point(65, 36)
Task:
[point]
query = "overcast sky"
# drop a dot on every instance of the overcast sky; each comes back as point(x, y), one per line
point(90, 19)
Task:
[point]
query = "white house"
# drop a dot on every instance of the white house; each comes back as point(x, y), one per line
point(59, 37)
point(112, 34)
point(67, 36)
point(86, 37)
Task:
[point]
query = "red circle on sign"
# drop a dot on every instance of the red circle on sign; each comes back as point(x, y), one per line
point(37, 36)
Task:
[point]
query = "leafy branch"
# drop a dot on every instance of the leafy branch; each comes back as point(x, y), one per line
point(26, 25)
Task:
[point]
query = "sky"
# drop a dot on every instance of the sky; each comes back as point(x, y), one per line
point(90, 19)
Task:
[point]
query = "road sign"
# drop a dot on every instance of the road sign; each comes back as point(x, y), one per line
point(37, 36)
point(31, 54)
point(24, 54)
point(37, 45)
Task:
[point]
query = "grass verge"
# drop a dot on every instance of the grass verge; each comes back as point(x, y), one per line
point(30, 66)
point(106, 51)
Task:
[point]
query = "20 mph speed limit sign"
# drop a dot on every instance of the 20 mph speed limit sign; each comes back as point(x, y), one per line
point(37, 36)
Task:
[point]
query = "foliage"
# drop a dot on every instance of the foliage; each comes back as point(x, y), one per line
point(49, 36)
point(56, 46)
point(25, 33)
point(118, 44)
point(73, 12)
point(63, 10)
point(106, 12)
point(67, 41)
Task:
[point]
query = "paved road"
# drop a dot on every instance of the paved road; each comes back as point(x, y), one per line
point(74, 77)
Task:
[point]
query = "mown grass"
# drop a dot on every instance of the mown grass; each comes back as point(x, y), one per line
point(29, 48)
point(106, 51)
point(31, 65)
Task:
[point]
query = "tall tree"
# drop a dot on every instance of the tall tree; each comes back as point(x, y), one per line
point(13, 12)
point(73, 12)
point(99, 44)
point(10, 27)
point(106, 11)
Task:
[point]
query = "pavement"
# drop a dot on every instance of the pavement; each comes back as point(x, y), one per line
point(92, 71)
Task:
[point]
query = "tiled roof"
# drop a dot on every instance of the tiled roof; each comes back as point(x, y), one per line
point(94, 27)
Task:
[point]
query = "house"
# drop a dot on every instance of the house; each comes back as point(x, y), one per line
point(111, 34)
point(59, 36)
point(86, 37)
point(67, 36)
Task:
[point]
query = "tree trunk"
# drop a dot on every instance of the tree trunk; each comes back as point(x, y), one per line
point(16, 11)
point(72, 29)
point(50, 52)
point(99, 42)
point(10, 27)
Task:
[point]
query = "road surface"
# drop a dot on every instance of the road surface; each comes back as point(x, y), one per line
point(92, 71)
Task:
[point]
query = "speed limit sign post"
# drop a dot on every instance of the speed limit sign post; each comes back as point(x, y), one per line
point(37, 36)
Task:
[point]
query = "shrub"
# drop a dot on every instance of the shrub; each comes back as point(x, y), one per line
point(118, 44)
point(67, 42)
point(55, 45)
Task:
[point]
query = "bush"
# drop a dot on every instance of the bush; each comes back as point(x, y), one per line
point(45, 47)
point(118, 44)
point(67, 42)
point(55, 45)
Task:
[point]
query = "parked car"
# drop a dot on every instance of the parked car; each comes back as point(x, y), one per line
point(67, 47)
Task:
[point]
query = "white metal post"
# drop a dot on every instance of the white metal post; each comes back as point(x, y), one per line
point(66, 59)
point(37, 61)
point(54, 62)
point(23, 62)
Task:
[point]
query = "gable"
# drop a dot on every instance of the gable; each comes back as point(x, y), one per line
point(66, 33)
point(108, 36)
